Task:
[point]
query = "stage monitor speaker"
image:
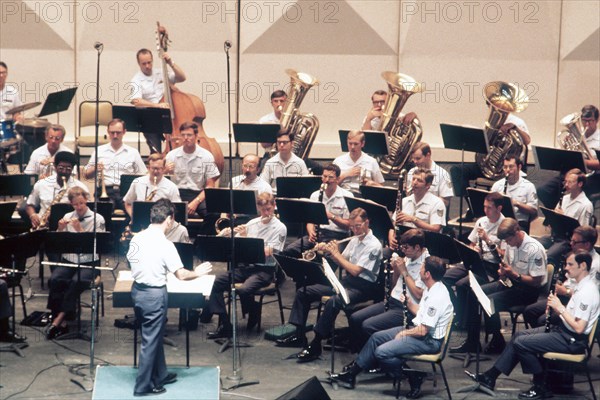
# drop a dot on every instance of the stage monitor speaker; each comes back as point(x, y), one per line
point(307, 390)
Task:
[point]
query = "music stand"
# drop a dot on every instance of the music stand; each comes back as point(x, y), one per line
point(380, 220)
point(475, 198)
point(302, 212)
point(57, 102)
point(6, 213)
point(80, 243)
point(442, 246)
point(141, 214)
point(297, 187)
point(126, 181)
point(483, 304)
point(464, 139)
point(218, 199)
point(15, 248)
point(255, 133)
point(385, 196)
point(376, 142)
point(561, 224)
point(145, 119)
point(557, 159)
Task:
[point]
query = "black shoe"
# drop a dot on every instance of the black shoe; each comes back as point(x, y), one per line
point(495, 346)
point(223, 332)
point(465, 347)
point(536, 392)
point(56, 331)
point(415, 379)
point(205, 317)
point(346, 379)
point(349, 366)
point(292, 341)
point(311, 353)
point(170, 378)
point(154, 391)
point(482, 379)
point(253, 316)
point(10, 337)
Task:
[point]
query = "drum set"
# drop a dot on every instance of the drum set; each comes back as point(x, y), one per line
point(18, 139)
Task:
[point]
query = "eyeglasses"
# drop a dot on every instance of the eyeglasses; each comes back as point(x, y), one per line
point(280, 142)
point(248, 165)
point(64, 168)
point(378, 101)
point(577, 241)
point(357, 226)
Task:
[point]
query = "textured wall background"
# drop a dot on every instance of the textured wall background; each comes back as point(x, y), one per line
point(550, 48)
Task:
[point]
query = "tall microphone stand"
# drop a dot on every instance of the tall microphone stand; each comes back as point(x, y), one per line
point(236, 376)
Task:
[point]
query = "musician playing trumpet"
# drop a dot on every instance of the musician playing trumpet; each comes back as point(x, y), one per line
point(66, 284)
point(254, 277)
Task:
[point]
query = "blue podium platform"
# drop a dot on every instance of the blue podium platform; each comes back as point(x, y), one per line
point(116, 382)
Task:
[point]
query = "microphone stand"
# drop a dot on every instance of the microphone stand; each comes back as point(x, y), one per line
point(236, 376)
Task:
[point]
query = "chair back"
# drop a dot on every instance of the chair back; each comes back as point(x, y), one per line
point(591, 338)
point(447, 337)
point(546, 290)
point(87, 113)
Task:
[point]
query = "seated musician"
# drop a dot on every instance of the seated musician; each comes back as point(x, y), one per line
point(361, 261)
point(461, 175)
point(583, 238)
point(66, 284)
point(41, 162)
point(550, 190)
point(567, 332)
point(358, 168)
point(421, 209)
point(249, 180)
point(9, 95)
point(337, 214)
point(278, 98)
point(193, 169)
point(405, 279)
point(148, 89)
point(115, 159)
point(151, 187)
point(484, 239)
point(50, 190)
point(374, 118)
point(386, 348)
point(574, 204)
point(522, 274)
point(254, 277)
point(284, 163)
point(441, 185)
point(520, 190)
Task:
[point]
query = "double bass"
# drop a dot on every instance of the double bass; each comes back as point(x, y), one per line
point(185, 107)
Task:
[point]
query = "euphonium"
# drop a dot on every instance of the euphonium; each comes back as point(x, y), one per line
point(152, 193)
point(402, 138)
point(303, 126)
point(503, 98)
point(573, 136)
point(103, 194)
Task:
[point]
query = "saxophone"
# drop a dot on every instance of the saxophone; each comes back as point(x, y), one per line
point(503, 98)
point(46, 216)
point(152, 193)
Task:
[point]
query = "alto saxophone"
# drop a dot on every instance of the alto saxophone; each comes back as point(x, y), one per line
point(152, 193)
point(46, 216)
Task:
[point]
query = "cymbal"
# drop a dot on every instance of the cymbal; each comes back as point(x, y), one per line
point(34, 123)
point(23, 107)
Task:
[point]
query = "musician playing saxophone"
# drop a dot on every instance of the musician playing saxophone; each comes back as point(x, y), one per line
point(254, 277)
point(46, 190)
point(375, 318)
point(154, 185)
point(65, 284)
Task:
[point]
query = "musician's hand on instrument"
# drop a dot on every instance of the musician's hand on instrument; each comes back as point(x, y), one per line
point(167, 59)
point(507, 128)
point(268, 251)
point(35, 220)
point(560, 289)
point(76, 224)
point(403, 298)
point(409, 118)
point(62, 224)
point(354, 171)
point(203, 269)
point(312, 236)
point(47, 161)
point(373, 113)
point(192, 207)
point(332, 248)
point(241, 230)
point(402, 217)
point(169, 167)
point(554, 302)
point(162, 105)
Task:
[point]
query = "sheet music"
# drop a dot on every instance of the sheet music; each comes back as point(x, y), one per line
point(202, 284)
point(482, 298)
point(337, 286)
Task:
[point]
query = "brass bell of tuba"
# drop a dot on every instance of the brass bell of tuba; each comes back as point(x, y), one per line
point(402, 137)
point(303, 126)
point(573, 136)
point(503, 98)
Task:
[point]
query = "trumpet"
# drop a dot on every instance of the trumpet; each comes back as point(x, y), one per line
point(310, 255)
point(103, 194)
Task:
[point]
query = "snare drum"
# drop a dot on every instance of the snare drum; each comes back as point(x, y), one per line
point(10, 142)
point(6, 130)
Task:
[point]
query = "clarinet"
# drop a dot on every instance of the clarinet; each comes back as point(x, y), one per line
point(506, 280)
point(555, 278)
point(407, 315)
point(322, 190)
point(548, 315)
point(399, 198)
point(505, 184)
point(388, 280)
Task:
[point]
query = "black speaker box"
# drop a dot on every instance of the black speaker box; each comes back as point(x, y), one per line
point(310, 389)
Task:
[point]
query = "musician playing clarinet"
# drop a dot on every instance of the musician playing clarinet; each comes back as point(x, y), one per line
point(567, 333)
point(66, 285)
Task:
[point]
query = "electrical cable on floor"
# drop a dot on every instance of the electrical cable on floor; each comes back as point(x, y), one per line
point(34, 379)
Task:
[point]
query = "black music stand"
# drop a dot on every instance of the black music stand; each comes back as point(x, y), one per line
point(13, 249)
point(255, 133)
point(141, 214)
point(561, 224)
point(379, 218)
point(475, 198)
point(557, 159)
point(302, 212)
point(17, 185)
point(376, 142)
point(297, 187)
point(442, 246)
point(6, 213)
point(145, 119)
point(57, 102)
point(218, 199)
point(464, 139)
point(80, 243)
point(487, 305)
point(385, 196)
point(126, 181)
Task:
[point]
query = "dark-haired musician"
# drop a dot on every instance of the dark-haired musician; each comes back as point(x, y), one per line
point(284, 163)
point(148, 88)
point(442, 184)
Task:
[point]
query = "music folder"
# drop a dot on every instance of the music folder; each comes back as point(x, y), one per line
point(255, 133)
point(145, 119)
point(302, 272)
point(476, 197)
point(57, 102)
point(562, 225)
point(380, 221)
point(465, 138)
point(218, 200)
point(297, 187)
point(557, 159)
point(376, 142)
point(385, 196)
point(442, 246)
point(301, 211)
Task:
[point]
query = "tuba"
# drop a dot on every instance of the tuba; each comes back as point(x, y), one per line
point(573, 136)
point(503, 98)
point(402, 137)
point(303, 126)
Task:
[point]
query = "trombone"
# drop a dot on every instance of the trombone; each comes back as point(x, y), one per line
point(310, 255)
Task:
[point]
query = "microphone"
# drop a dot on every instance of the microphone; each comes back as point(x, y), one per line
point(227, 45)
point(98, 46)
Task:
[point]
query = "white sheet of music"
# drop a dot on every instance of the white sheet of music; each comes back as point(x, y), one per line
point(202, 284)
point(485, 301)
point(337, 286)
